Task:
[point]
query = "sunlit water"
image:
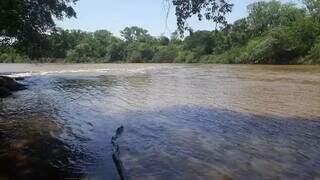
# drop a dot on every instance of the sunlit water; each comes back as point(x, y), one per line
point(180, 122)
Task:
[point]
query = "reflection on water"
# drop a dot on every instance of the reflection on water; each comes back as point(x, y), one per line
point(180, 122)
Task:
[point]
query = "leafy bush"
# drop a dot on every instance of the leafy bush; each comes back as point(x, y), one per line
point(10, 55)
point(134, 57)
point(229, 57)
point(207, 59)
point(165, 55)
point(139, 52)
point(263, 52)
point(272, 33)
point(304, 34)
point(276, 47)
point(181, 57)
point(116, 52)
point(314, 54)
point(192, 57)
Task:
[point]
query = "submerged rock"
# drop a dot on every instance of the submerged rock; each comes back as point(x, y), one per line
point(19, 78)
point(4, 92)
point(116, 153)
point(11, 84)
point(7, 85)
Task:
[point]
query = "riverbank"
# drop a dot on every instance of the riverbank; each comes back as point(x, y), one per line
point(208, 59)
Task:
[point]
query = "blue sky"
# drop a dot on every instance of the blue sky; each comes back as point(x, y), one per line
point(115, 15)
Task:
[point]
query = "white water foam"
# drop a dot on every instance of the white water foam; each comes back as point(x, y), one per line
point(109, 71)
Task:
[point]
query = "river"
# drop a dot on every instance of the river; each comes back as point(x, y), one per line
point(180, 122)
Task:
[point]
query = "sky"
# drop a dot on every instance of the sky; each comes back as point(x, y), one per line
point(115, 15)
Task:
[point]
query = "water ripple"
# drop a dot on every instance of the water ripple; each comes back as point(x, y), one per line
point(181, 122)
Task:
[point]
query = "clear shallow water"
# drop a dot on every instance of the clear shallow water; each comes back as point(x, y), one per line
point(180, 122)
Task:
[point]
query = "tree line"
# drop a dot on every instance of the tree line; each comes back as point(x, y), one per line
point(272, 33)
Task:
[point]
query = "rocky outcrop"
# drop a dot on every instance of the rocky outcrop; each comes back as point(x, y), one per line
point(8, 85)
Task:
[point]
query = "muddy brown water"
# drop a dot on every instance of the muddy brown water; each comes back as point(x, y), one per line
point(180, 122)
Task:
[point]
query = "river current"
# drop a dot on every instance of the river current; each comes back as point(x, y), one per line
point(179, 122)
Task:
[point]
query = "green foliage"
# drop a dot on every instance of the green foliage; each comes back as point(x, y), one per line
point(213, 10)
point(313, 7)
point(265, 15)
point(200, 42)
point(165, 54)
point(134, 56)
point(134, 33)
point(279, 34)
point(239, 32)
point(265, 51)
point(164, 41)
point(10, 55)
point(116, 51)
point(304, 32)
point(232, 56)
point(80, 54)
point(192, 57)
point(139, 52)
point(273, 33)
point(26, 22)
point(314, 54)
point(274, 48)
point(181, 57)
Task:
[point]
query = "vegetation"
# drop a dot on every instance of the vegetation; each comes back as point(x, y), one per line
point(273, 33)
point(25, 23)
point(214, 10)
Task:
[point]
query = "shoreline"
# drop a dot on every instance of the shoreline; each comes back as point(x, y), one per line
point(56, 61)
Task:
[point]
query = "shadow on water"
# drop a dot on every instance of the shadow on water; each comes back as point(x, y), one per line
point(184, 142)
point(30, 149)
point(61, 127)
point(178, 142)
point(46, 133)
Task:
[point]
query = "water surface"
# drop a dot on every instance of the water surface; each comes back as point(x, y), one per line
point(180, 122)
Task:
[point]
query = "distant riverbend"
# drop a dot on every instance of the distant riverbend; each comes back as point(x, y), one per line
point(177, 121)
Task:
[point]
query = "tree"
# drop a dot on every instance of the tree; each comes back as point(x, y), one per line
point(101, 40)
point(134, 33)
point(313, 7)
point(200, 42)
point(304, 33)
point(116, 51)
point(273, 33)
point(103, 37)
point(26, 22)
point(139, 52)
point(60, 42)
point(213, 10)
point(164, 41)
point(264, 15)
point(165, 54)
point(239, 32)
point(314, 54)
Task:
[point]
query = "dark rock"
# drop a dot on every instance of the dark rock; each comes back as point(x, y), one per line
point(7, 85)
point(4, 92)
point(11, 84)
point(19, 78)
